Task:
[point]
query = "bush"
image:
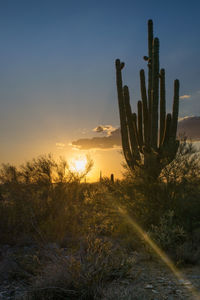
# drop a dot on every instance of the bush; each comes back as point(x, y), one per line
point(81, 275)
point(177, 189)
point(167, 234)
point(40, 199)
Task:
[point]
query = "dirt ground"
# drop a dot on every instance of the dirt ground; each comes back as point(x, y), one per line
point(149, 280)
point(152, 280)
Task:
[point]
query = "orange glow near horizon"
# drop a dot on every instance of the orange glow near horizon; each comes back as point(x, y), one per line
point(106, 162)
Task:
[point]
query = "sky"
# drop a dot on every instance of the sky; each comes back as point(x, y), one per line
point(57, 72)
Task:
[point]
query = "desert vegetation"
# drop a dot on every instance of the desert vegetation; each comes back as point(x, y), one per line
point(75, 236)
point(145, 145)
point(63, 238)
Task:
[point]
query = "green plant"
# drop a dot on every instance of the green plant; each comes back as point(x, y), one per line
point(167, 234)
point(144, 144)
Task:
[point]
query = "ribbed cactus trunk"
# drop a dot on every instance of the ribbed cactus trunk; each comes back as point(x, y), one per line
point(148, 138)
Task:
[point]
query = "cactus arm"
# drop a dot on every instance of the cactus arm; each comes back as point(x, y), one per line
point(150, 45)
point(134, 120)
point(155, 95)
point(131, 129)
point(144, 144)
point(123, 121)
point(162, 105)
point(144, 106)
point(140, 133)
point(175, 109)
point(167, 130)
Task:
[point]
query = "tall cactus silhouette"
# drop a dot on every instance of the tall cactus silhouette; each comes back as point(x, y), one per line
point(145, 144)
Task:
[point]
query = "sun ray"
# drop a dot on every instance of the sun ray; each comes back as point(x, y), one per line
point(163, 257)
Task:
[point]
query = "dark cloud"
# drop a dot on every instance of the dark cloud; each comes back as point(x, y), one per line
point(106, 142)
point(189, 125)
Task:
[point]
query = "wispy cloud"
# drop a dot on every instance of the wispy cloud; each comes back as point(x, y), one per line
point(113, 140)
point(104, 129)
point(185, 118)
point(185, 96)
point(60, 146)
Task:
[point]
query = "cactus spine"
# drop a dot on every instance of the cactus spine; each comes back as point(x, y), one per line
point(145, 144)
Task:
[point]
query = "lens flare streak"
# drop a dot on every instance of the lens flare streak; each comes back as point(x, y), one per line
point(184, 281)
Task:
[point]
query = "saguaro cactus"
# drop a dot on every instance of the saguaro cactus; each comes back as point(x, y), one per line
point(145, 144)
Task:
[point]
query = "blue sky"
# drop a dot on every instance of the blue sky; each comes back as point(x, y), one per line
point(57, 75)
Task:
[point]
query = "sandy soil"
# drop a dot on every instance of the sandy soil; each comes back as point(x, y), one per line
point(152, 280)
point(149, 279)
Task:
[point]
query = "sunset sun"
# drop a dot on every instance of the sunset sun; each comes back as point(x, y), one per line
point(78, 164)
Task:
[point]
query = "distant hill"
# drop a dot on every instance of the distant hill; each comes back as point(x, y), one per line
point(190, 127)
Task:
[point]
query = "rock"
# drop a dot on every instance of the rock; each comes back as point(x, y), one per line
point(184, 282)
point(149, 286)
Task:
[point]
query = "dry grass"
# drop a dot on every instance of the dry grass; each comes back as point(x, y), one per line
point(81, 275)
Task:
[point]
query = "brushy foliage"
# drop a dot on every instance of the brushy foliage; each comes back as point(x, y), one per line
point(177, 189)
point(44, 201)
point(81, 275)
point(167, 234)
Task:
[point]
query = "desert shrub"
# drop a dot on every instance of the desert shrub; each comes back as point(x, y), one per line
point(50, 205)
point(81, 275)
point(99, 213)
point(40, 199)
point(43, 201)
point(143, 199)
point(177, 189)
point(182, 246)
point(182, 185)
point(189, 251)
point(167, 234)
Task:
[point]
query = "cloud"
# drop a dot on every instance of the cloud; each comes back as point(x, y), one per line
point(108, 129)
point(113, 140)
point(60, 146)
point(185, 97)
point(190, 127)
point(184, 118)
